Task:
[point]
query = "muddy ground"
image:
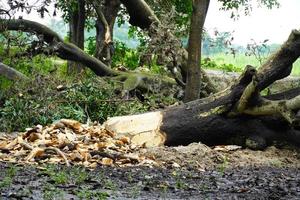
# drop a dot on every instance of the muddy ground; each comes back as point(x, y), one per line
point(192, 172)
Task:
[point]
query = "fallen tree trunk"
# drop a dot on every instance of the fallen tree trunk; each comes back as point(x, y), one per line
point(237, 111)
point(211, 123)
point(11, 73)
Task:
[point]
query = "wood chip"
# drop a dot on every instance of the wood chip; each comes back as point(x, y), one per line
point(72, 143)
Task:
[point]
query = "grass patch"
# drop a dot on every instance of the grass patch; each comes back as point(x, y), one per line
point(240, 61)
point(85, 193)
point(63, 176)
point(50, 192)
point(8, 175)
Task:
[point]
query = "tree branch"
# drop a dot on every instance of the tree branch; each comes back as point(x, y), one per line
point(11, 73)
point(279, 65)
point(61, 48)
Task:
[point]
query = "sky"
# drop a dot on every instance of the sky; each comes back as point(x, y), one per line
point(275, 24)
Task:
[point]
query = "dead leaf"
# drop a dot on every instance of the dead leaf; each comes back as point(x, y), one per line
point(119, 143)
point(3, 144)
point(12, 144)
point(70, 142)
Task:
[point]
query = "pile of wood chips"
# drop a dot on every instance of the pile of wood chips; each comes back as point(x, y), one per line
point(70, 142)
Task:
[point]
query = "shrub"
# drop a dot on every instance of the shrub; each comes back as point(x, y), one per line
point(40, 102)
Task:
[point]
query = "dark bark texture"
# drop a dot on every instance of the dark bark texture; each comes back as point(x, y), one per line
point(140, 13)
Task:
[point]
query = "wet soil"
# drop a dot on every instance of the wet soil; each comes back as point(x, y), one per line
point(192, 172)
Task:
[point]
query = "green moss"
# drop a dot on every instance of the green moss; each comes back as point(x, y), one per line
point(218, 110)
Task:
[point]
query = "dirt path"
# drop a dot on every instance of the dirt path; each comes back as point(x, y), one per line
point(191, 172)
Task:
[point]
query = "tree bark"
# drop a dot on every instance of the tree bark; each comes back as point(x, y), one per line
point(192, 89)
point(11, 73)
point(238, 111)
point(76, 33)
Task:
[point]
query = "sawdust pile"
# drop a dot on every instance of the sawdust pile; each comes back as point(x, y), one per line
point(72, 143)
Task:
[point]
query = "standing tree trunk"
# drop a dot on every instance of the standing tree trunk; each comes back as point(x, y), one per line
point(76, 26)
point(192, 89)
point(106, 18)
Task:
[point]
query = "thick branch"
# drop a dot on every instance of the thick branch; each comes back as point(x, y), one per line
point(62, 49)
point(29, 26)
point(280, 64)
point(71, 52)
point(141, 14)
point(11, 73)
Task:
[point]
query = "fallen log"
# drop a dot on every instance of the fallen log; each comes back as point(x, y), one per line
point(238, 111)
point(211, 123)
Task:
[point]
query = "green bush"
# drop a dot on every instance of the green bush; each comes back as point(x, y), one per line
point(91, 45)
point(125, 56)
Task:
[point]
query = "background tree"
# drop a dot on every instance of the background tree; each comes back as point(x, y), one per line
point(192, 90)
point(75, 14)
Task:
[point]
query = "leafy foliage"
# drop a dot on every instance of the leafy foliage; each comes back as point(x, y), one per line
point(125, 56)
point(40, 102)
point(245, 6)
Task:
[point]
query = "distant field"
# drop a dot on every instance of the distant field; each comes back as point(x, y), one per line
point(241, 61)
